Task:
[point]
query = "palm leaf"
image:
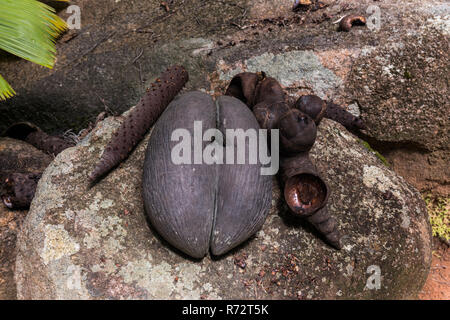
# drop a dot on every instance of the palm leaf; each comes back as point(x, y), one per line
point(5, 89)
point(28, 29)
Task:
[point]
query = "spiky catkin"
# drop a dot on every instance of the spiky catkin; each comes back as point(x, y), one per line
point(138, 122)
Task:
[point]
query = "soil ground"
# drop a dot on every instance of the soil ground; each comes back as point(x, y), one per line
point(437, 286)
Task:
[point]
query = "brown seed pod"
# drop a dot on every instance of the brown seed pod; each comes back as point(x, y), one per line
point(253, 88)
point(203, 207)
point(243, 87)
point(269, 102)
point(32, 134)
point(145, 114)
point(19, 190)
point(350, 20)
point(306, 195)
point(297, 132)
point(313, 106)
point(269, 91)
point(268, 114)
point(305, 192)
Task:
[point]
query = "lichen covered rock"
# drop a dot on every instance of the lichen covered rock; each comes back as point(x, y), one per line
point(95, 243)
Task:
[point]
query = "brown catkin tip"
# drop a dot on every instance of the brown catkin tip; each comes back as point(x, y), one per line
point(326, 225)
point(338, 114)
point(139, 121)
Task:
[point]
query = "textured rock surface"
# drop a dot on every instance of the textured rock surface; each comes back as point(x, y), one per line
point(14, 156)
point(402, 90)
point(95, 243)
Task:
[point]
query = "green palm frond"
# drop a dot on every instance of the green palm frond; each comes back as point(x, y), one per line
point(5, 89)
point(28, 29)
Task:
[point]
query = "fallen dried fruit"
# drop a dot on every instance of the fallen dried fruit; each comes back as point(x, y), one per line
point(350, 20)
